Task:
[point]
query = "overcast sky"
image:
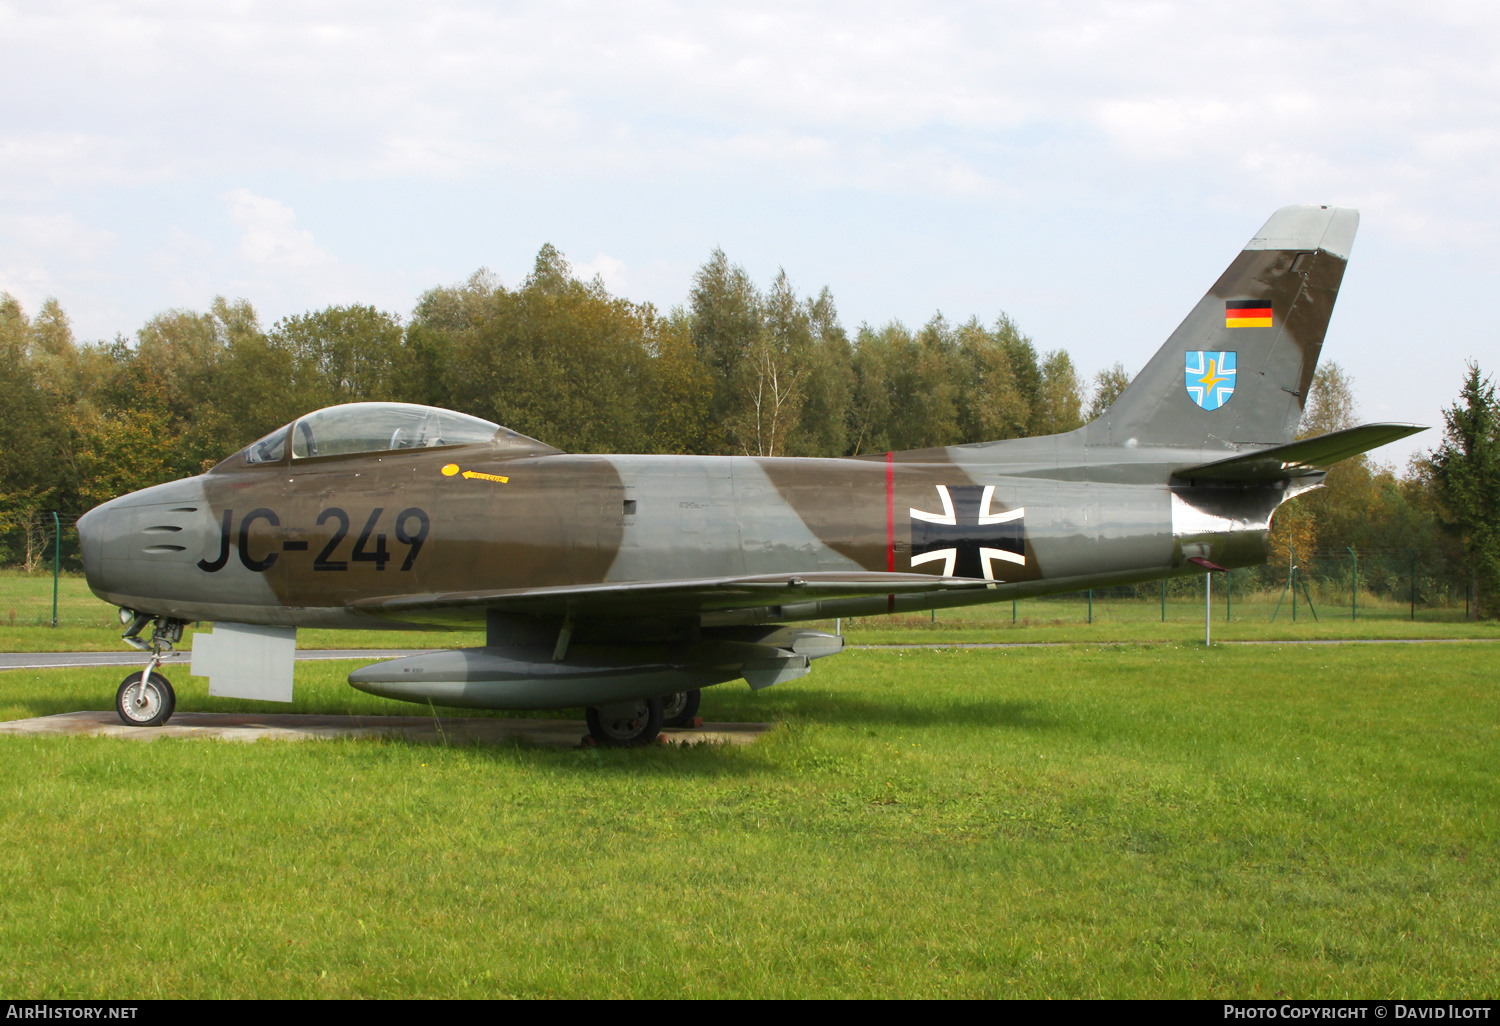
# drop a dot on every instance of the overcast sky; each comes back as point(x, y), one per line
point(1089, 168)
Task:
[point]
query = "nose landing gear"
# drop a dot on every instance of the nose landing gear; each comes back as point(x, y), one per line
point(146, 698)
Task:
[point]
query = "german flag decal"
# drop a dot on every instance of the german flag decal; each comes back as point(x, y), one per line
point(1247, 313)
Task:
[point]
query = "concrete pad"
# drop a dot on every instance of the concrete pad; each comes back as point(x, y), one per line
point(306, 727)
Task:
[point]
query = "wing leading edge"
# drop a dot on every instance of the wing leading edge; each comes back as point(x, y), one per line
point(654, 598)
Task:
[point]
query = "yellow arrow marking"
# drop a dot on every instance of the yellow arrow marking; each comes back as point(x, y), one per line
point(452, 468)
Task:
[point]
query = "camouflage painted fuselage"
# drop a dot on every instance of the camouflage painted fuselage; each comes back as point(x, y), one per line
point(331, 542)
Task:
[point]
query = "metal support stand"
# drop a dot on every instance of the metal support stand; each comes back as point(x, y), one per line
point(1293, 578)
point(1302, 579)
point(1292, 569)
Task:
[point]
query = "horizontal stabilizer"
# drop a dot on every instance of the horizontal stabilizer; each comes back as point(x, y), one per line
point(1301, 458)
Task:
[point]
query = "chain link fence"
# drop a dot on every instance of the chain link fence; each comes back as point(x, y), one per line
point(1349, 584)
point(43, 583)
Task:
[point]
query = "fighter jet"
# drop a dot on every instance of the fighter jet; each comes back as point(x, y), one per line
point(626, 584)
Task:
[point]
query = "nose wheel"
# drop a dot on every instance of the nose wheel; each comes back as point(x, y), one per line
point(148, 704)
point(625, 724)
point(146, 698)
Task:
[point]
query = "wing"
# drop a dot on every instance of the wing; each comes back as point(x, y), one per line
point(657, 598)
point(1299, 459)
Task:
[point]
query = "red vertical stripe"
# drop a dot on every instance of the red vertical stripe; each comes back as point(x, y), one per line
point(890, 523)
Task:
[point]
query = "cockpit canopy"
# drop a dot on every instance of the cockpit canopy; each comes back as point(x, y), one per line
point(378, 427)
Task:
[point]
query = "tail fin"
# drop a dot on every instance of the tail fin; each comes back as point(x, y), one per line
point(1238, 368)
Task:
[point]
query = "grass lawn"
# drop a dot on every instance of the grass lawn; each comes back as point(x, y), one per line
point(1156, 820)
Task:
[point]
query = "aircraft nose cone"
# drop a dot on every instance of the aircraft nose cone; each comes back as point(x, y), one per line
point(91, 542)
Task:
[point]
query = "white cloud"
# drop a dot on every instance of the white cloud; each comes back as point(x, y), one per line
point(610, 270)
point(60, 236)
point(271, 238)
point(949, 99)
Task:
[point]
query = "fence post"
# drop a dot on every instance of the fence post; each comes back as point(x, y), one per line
point(1163, 600)
point(1091, 605)
point(1294, 583)
point(56, 561)
point(1413, 556)
point(1012, 612)
point(1354, 588)
point(1228, 595)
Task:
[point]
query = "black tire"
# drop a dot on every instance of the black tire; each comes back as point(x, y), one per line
point(626, 724)
point(679, 710)
point(160, 702)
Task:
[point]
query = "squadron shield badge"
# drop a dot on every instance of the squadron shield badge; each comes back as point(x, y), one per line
point(1210, 378)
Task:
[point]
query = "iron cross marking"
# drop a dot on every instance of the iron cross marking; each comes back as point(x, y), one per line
point(966, 536)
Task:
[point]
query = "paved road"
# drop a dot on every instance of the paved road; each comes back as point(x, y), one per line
point(58, 660)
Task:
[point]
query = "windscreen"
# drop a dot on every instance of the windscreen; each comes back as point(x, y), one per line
point(269, 449)
point(383, 427)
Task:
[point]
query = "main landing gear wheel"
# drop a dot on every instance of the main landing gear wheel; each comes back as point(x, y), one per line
point(148, 706)
point(679, 710)
point(625, 724)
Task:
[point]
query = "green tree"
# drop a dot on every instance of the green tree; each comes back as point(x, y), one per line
point(827, 384)
point(767, 383)
point(1059, 405)
point(558, 359)
point(341, 354)
point(1108, 385)
point(679, 389)
point(727, 324)
point(1466, 474)
point(28, 449)
point(1340, 510)
point(989, 405)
